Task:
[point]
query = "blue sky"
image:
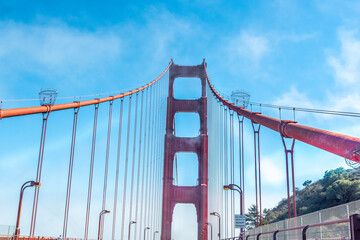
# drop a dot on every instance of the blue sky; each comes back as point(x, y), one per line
point(293, 53)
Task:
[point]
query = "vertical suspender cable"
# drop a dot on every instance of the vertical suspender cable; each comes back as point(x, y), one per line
point(231, 175)
point(258, 143)
point(39, 170)
point(222, 182)
point(91, 172)
point(257, 171)
point(226, 172)
point(144, 166)
point(71, 164)
point(156, 192)
point(241, 160)
point(106, 165)
point(151, 160)
point(218, 155)
point(232, 172)
point(126, 169)
point(117, 170)
point(155, 157)
point(256, 179)
point(148, 159)
point(133, 166)
point(161, 140)
point(139, 163)
point(152, 187)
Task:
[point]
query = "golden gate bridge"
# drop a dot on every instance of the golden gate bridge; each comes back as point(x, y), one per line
point(146, 155)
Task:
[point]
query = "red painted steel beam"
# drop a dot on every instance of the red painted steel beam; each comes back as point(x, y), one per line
point(339, 144)
point(6, 113)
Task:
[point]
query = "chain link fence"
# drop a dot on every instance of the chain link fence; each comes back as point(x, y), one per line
point(339, 231)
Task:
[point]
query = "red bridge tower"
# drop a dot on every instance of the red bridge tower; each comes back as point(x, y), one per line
point(197, 195)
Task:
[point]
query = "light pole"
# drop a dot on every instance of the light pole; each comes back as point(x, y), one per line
point(209, 224)
point(100, 216)
point(131, 222)
point(154, 234)
point(147, 228)
point(23, 187)
point(235, 187)
point(217, 215)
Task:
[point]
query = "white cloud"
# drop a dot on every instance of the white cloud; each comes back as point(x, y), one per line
point(270, 171)
point(54, 51)
point(296, 37)
point(346, 66)
point(294, 98)
point(249, 46)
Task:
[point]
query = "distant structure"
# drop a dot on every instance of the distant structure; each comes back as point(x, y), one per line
point(47, 96)
point(240, 98)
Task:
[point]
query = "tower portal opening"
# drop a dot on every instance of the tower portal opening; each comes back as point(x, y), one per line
point(187, 124)
point(186, 169)
point(184, 224)
point(187, 88)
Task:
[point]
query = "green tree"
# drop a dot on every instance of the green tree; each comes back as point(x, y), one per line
point(342, 191)
point(307, 183)
point(251, 216)
point(334, 175)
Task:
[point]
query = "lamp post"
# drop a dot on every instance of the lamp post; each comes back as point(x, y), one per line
point(131, 222)
point(147, 228)
point(100, 216)
point(211, 233)
point(154, 234)
point(235, 187)
point(217, 215)
point(23, 187)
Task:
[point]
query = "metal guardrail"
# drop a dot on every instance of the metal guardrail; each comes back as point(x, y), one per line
point(36, 238)
point(354, 221)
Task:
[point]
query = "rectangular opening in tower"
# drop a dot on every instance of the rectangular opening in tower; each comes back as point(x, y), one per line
point(187, 88)
point(184, 224)
point(187, 124)
point(186, 169)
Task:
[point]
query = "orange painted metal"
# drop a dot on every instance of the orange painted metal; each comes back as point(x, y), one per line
point(339, 144)
point(6, 113)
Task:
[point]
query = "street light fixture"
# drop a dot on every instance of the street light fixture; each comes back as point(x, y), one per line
point(23, 187)
point(100, 216)
point(147, 228)
point(217, 215)
point(211, 233)
point(154, 234)
point(131, 222)
point(235, 187)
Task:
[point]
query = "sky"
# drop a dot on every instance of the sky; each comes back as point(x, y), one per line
point(292, 53)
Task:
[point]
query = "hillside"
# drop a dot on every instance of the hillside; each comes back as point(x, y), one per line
point(338, 186)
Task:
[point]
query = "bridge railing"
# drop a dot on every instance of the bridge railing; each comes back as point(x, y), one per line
point(330, 223)
point(339, 212)
point(11, 237)
point(354, 222)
